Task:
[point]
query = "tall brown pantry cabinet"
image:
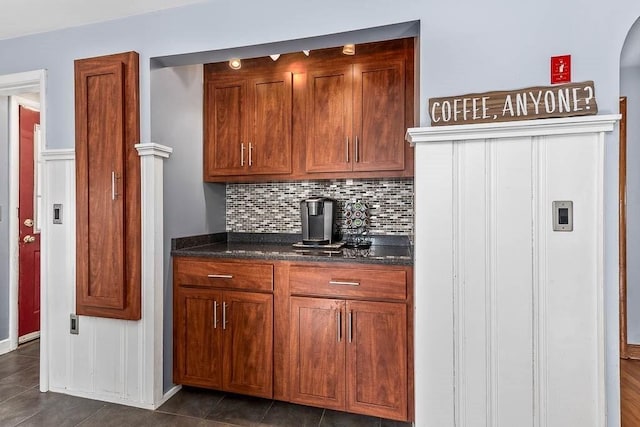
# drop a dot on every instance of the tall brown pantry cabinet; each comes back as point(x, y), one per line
point(108, 258)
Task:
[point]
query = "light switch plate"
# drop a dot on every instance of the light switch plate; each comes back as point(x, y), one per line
point(74, 324)
point(57, 213)
point(562, 215)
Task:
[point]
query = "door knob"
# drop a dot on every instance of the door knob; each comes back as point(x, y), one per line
point(28, 222)
point(29, 239)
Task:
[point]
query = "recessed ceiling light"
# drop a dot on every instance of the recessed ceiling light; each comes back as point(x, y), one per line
point(235, 63)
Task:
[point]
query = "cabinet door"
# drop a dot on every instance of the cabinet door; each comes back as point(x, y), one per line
point(108, 278)
point(226, 137)
point(269, 150)
point(198, 337)
point(317, 348)
point(329, 120)
point(248, 343)
point(377, 359)
point(379, 116)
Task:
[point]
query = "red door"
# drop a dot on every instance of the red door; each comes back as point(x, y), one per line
point(29, 252)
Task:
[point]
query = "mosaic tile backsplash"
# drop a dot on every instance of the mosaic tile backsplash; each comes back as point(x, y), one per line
point(274, 207)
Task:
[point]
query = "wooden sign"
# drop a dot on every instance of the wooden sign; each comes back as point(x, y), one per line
point(573, 99)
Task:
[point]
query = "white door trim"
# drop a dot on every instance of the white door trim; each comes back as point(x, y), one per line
point(15, 85)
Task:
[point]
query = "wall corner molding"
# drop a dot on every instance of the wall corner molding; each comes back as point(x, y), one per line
point(539, 127)
point(153, 149)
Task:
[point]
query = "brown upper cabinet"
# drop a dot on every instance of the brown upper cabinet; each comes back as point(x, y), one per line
point(356, 118)
point(247, 125)
point(325, 116)
point(108, 277)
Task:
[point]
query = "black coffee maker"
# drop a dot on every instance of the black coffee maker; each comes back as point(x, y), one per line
point(318, 215)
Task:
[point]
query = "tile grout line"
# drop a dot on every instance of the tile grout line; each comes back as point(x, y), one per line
point(92, 415)
point(321, 417)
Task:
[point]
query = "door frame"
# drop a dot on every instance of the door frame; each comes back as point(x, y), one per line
point(627, 351)
point(14, 85)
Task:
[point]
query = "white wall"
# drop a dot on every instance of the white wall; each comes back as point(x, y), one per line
point(190, 206)
point(465, 46)
point(630, 87)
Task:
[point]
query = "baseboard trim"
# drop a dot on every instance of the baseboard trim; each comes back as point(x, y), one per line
point(5, 346)
point(28, 337)
point(633, 351)
point(116, 399)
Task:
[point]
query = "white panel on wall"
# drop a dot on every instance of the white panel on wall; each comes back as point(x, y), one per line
point(112, 360)
point(58, 269)
point(515, 305)
point(510, 293)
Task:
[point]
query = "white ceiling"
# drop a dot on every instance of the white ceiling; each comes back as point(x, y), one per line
point(23, 17)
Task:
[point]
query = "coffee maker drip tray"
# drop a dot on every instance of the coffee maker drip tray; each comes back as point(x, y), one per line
point(334, 245)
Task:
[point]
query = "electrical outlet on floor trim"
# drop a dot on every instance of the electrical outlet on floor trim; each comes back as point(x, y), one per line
point(74, 326)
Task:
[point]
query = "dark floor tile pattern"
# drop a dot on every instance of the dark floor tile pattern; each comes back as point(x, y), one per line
point(22, 404)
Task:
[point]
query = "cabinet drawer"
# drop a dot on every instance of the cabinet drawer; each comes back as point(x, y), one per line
point(349, 282)
point(236, 275)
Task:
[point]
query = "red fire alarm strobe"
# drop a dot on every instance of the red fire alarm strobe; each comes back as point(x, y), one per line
point(560, 69)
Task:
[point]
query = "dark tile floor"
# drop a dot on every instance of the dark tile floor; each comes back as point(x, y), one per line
point(22, 404)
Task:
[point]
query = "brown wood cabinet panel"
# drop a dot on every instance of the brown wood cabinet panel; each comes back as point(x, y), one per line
point(107, 187)
point(317, 375)
point(223, 274)
point(270, 124)
point(329, 120)
point(225, 126)
point(248, 343)
point(377, 359)
point(198, 339)
point(371, 282)
point(379, 116)
point(247, 125)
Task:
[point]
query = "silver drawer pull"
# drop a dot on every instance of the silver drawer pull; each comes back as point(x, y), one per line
point(220, 276)
point(339, 282)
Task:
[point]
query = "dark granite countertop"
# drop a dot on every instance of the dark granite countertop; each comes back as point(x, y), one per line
point(390, 250)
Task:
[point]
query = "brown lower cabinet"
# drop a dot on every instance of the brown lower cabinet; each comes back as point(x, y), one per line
point(223, 339)
point(341, 338)
point(349, 355)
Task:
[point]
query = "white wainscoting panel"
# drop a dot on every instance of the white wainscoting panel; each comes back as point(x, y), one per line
point(111, 360)
point(509, 313)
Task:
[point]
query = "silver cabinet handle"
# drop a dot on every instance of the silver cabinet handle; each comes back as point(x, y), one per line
point(224, 315)
point(342, 283)
point(350, 326)
point(357, 149)
point(347, 149)
point(242, 154)
point(215, 314)
point(220, 276)
point(250, 154)
point(113, 185)
point(339, 324)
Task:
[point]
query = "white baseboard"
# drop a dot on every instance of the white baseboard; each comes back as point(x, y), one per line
point(28, 337)
point(117, 399)
point(5, 346)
